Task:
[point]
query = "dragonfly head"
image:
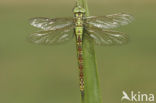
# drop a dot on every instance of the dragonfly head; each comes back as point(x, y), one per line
point(79, 9)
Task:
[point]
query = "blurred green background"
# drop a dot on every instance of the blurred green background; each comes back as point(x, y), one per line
point(32, 73)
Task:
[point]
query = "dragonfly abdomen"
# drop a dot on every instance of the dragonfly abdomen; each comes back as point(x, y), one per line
point(80, 62)
point(79, 36)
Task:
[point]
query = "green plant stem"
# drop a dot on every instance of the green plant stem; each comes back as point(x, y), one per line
point(91, 82)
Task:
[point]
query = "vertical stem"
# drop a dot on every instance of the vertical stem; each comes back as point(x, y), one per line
point(91, 82)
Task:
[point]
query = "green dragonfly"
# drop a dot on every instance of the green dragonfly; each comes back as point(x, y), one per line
point(60, 30)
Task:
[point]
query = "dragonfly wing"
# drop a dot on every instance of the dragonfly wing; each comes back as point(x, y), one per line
point(51, 24)
point(52, 36)
point(109, 21)
point(107, 37)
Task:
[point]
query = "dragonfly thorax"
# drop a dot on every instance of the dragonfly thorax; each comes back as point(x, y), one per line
point(79, 15)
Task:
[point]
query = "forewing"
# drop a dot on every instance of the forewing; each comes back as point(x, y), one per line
point(52, 36)
point(51, 24)
point(107, 37)
point(109, 21)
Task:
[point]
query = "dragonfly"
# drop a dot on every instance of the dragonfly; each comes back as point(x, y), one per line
point(60, 30)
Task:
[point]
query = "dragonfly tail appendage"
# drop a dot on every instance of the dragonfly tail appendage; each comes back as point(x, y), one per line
point(80, 63)
point(82, 95)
